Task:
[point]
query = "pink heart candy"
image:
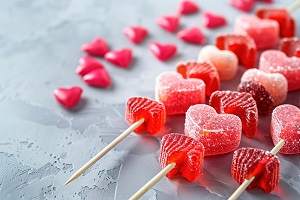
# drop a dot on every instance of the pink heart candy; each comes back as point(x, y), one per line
point(285, 124)
point(212, 20)
point(121, 58)
point(162, 51)
point(98, 47)
point(225, 61)
point(275, 83)
point(87, 64)
point(274, 61)
point(192, 35)
point(187, 7)
point(98, 78)
point(135, 34)
point(265, 32)
point(68, 97)
point(243, 5)
point(219, 133)
point(177, 93)
point(169, 23)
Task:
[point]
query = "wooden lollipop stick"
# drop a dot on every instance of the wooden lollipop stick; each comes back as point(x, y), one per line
point(105, 150)
point(153, 181)
point(294, 6)
point(247, 182)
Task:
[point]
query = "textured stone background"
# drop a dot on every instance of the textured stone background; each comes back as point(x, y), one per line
point(42, 144)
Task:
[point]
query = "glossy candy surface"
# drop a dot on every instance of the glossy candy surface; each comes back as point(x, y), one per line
point(290, 46)
point(135, 34)
point(97, 47)
point(68, 97)
point(187, 7)
point(162, 51)
point(169, 23)
point(121, 58)
point(98, 78)
point(88, 64)
point(213, 20)
point(243, 5)
point(192, 35)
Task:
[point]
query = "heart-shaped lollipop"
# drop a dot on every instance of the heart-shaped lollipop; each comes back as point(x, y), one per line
point(68, 97)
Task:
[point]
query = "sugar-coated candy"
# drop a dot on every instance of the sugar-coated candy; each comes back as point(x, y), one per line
point(68, 97)
point(290, 46)
point(275, 61)
point(248, 162)
point(152, 111)
point(282, 16)
point(201, 70)
point(285, 124)
point(97, 47)
point(263, 98)
point(162, 51)
point(186, 152)
point(219, 133)
point(240, 104)
point(177, 93)
point(98, 78)
point(88, 64)
point(225, 61)
point(275, 83)
point(265, 32)
point(135, 34)
point(121, 58)
point(187, 7)
point(242, 45)
point(192, 35)
point(213, 20)
point(170, 23)
point(244, 5)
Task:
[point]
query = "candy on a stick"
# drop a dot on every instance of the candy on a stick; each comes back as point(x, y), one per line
point(187, 7)
point(162, 51)
point(265, 32)
point(88, 64)
point(242, 45)
point(263, 98)
point(97, 47)
point(213, 20)
point(290, 46)
point(285, 125)
point(192, 35)
point(275, 83)
point(68, 97)
point(201, 70)
point(225, 61)
point(240, 104)
point(275, 61)
point(180, 156)
point(135, 34)
point(177, 93)
point(170, 23)
point(121, 58)
point(219, 133)
point(140, 111)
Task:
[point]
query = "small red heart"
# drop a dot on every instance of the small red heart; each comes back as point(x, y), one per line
point(97, 77)
point(187, 7)
point(162, 51)
point(135, 34)
point(120, 58)
point(192, 35)
point(87, 64)
point(212, 20)
point(68, 97)
point(243, 5)
point(98, 47)
point(169, 23)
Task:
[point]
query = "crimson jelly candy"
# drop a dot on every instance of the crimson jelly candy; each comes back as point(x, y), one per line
point(248, 162)
point(238, 103)
point(186, 152)
point(152, 111)
point(290, 46)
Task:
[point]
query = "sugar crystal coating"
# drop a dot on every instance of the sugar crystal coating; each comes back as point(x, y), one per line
point(285, 124)
point(186, 152)
point(219, 133)
point(248, 162)
point(240, 104)
point(290, 46)
point(152, 111)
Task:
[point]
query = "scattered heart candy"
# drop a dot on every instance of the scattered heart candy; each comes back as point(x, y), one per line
point(169, 23)
point(87, 64)
point(162, 51)
point(68, 97)
point(212, 20)
point(192, 35)
point(98, 47)
point(98, 78)
point(243, 5)
point(135, 34)
point(187, 7)
point(121, 58)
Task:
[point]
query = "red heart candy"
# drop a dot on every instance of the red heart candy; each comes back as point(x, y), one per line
point(68, 97)
point(290, 46)
point(162, 51)
point(121, 58)
point(136, 34)
point(244, 5)
point(169, 23)
point(187, 7)
point(97, 47)
point(87, 64)
point(98, 78)
point(192, 35)
point(212, 20)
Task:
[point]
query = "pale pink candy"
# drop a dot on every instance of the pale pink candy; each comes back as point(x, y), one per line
point(275, 61)
point(177, 93)
point(265, 32)
point(225, 61)
point(275, 83)
point(285, 124)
